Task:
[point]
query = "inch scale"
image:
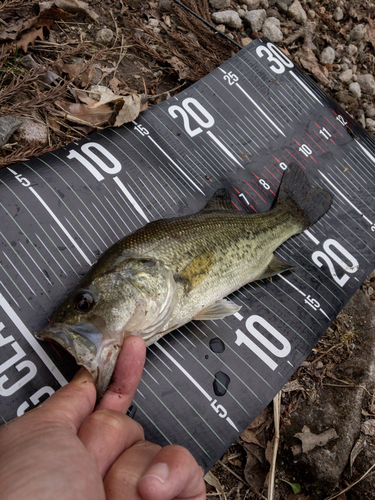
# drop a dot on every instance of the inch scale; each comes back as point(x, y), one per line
point(238, 127)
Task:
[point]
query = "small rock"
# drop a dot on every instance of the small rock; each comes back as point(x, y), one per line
point(256, 19)
point(346, 76)
point(271, 30)
point(245, 41)
point(338, 14)
point(8, 125)
point(370, 111)
point(367, 84)
point(104, 36)
point(283, 5)
point(370, 124)
point(31, 132)
point(241, 13)
point(221, 27)
point(228, 17)
point(311, 14)
point(327, 56)
point(264, 4)
point(355, 89)
point(220, 4)
point(165, 5)
point(252, 4)
point(154, 23)
point(368, 427)
point(297, 12)
point(352, 50)
point(358, 33)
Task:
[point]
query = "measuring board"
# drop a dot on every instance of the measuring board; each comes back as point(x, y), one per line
point(238, 127)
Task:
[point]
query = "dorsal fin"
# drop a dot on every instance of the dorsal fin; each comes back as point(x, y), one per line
point(220, 201)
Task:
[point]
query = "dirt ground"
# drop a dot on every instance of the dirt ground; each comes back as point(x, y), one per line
point(59, 58)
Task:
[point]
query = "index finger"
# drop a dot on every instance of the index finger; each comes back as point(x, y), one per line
point(126, 377)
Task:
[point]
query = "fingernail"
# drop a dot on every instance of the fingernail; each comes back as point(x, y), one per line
point(159, 471)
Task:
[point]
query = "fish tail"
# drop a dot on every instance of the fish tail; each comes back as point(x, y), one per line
point(298, 197)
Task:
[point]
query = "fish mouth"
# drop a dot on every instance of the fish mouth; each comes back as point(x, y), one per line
point(89, 347)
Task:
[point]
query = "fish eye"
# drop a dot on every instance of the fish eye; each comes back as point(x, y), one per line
point(83, 301)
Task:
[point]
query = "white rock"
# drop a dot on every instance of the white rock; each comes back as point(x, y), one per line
point(252, 4)
point(370, 111)
point(245, 41)
point(271, 30)
point(241, 13)
point(367, 84)
point(327, 56)
point(256, 19)
point(370, 124)
point(346, 76)
point(338, 14)
point(104, 36)
point(355, 89)
point(297, 12)
point(220, 4)
point(221, 27)
point(154, 23)
point(358, 33)
point(352, 50)
point(31, 132)
point(228, 17)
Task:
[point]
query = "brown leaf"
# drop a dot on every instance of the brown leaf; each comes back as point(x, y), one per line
point(77, 6)
point(250, 437)
point(86, 115)
point(129, 111)
point(310, 440)
point(29, 37)
point(269, 451)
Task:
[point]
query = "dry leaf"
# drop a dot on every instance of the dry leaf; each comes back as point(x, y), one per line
point(28, 38)
point(86, 115)
point(310, 440)
point(249, 437)
point(292, 385)
point(129, 111)
point(213, 481)
point(77, 6)
point(269, 451)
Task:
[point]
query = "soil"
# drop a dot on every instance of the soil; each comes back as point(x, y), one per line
point(57, 57)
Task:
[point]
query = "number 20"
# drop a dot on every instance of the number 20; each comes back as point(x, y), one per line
point(187, 109)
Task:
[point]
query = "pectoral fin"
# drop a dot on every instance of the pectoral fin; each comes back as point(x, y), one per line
point(218, 310)
point(276, 266)
point(197, 270)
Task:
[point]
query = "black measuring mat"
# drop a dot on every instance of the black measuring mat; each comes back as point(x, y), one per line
point(239, 127)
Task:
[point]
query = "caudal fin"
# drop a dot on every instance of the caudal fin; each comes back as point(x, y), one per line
point(298, 197)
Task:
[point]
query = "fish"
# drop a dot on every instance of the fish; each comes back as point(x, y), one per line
point(172, 271)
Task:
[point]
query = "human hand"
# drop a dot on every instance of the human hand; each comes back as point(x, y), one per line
point(65, 449)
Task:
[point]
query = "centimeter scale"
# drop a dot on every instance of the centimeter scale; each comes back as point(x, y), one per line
point(238, 127)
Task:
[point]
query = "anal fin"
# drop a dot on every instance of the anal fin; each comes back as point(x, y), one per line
point(275, 266)
point(219, 310)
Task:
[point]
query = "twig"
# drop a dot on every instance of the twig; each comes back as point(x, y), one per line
point(276, 417)
point(351, 485)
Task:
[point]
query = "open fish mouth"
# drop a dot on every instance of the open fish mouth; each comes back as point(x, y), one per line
point(89, 347)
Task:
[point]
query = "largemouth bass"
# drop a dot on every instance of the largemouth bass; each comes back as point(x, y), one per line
point(174, 270)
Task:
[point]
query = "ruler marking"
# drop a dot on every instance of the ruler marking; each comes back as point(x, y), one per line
point(260, 109)
point(130, 198)
point(176, 165)
point(305, 87)
point(62, 227)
